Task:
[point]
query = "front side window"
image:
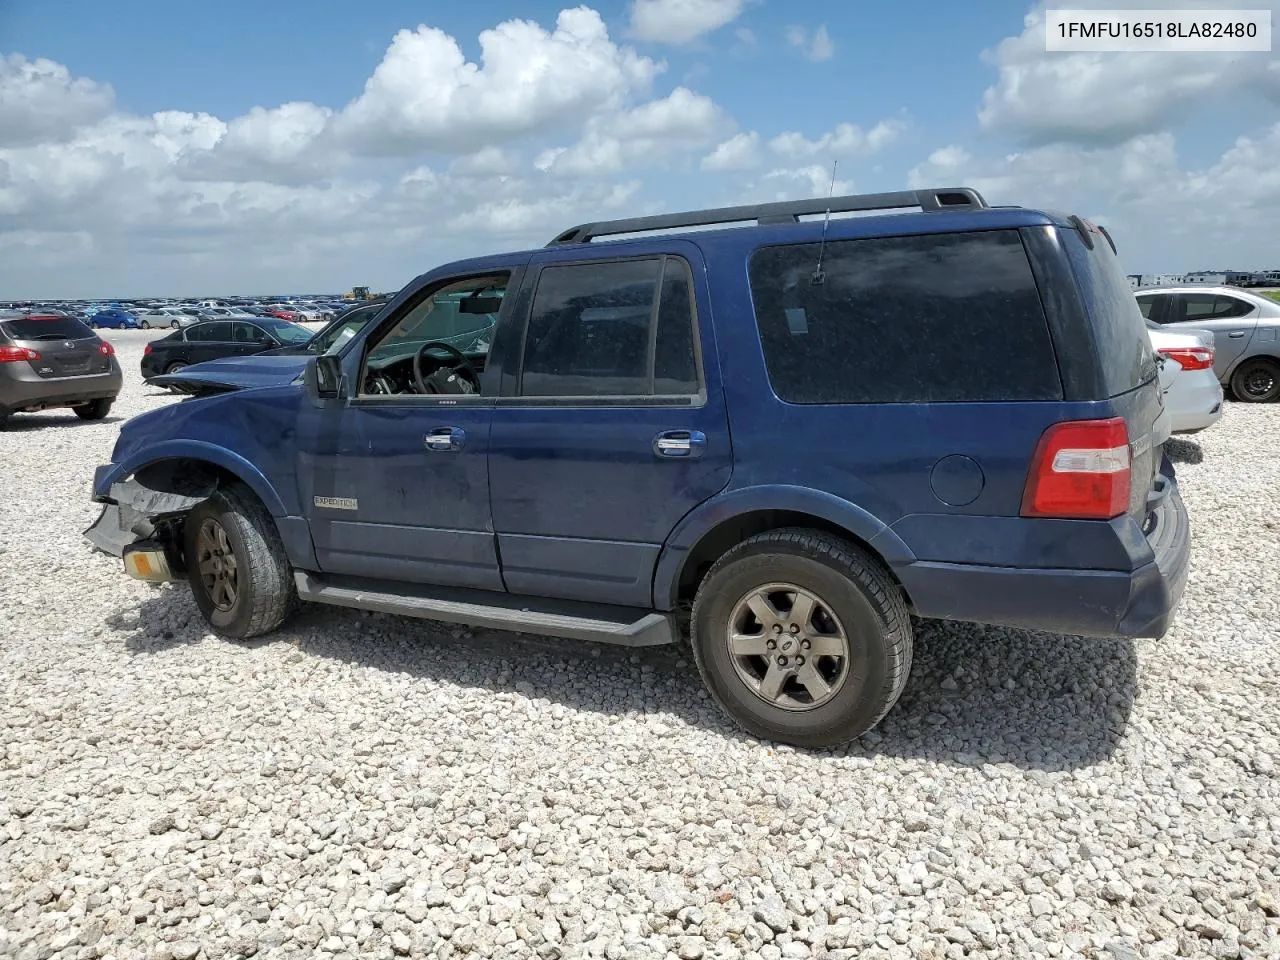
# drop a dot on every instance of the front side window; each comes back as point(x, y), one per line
point(612, 328)
point(420, 349)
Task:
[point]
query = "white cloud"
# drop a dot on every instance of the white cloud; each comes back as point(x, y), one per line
point(816, 46)
point(680, 21)
point(1107, 98)
point(487, 162)
point(846, 139)
point(645, 135)
point(1164, 215)
point(739, 152)
point(796, 183)
point(40, 102)
point(426, 95)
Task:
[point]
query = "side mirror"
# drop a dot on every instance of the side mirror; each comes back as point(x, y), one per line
point(323, 377)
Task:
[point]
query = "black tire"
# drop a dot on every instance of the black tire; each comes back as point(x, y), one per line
point(174, 367)
point(145, 325)
point(94, 409)
point(264, 593)
point(1257, 380)
point(175, 325)
point(867, 607)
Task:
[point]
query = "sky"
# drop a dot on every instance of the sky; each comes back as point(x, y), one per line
point(152, 148)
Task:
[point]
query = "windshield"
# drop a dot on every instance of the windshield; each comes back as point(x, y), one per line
point(332, 339)
point(50, 328)
point(287, 332)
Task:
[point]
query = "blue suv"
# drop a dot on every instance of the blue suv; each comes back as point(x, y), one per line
point(781, 434)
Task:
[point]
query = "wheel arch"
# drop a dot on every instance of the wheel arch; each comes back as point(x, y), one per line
point(177, 466)
point(720, 524)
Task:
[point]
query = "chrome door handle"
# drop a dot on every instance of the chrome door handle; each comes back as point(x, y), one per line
point(1236, 334)
point(677, 444)
point(445, 439)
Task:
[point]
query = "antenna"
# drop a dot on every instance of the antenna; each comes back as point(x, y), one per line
point(818, 276)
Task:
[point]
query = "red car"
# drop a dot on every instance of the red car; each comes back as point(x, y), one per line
point(284, 313)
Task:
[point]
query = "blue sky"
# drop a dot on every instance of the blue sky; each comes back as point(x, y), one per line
point(150, 147)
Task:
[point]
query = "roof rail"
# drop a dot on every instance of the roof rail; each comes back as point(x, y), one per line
point(932, 200)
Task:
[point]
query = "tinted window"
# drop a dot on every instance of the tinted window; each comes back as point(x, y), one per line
point(53, 328)
point(1123, 347)
point(593, 331)
point(952, 317)
point(1205, 306)
point(1145, 304)
point(588, 333)
point(209, 332)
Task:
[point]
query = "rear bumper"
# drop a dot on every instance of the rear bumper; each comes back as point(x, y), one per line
point(1194, 402)
point(1102, 603)
point(33, 392)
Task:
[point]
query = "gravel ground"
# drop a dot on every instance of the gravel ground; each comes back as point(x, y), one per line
point(370, 786)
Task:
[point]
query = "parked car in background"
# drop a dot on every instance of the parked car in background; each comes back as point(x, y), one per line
point(1194, 395)
point(49, 360)
point(270, 367)
point(284, 313)
point(211, 339)
point(113, 318)
point(570, 441)
point(164, 317)
point(1245, 328)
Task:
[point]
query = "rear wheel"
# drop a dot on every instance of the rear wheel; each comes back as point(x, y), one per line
point(145, 324)
point(94, 409)
point(236, 564)
point(175, 325)
point(1257, 381)
point(174, 367)
point(802, 637)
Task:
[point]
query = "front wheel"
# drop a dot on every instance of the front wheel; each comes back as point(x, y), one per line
point(1257, 381)
point(801, 637)
point(236, 564)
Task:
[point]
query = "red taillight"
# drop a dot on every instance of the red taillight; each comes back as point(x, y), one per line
point(1190, 358)
point(107, 349)
point(10, 354)
point(146, 349)
point(1081, 470)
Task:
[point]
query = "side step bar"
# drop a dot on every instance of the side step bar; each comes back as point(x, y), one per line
point(572, 619)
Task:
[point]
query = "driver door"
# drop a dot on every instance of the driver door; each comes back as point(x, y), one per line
point(400, 489)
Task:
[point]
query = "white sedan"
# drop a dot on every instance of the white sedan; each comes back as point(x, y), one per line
point(1193, 396)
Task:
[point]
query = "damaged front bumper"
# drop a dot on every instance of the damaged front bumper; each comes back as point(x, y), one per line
point(139, 525)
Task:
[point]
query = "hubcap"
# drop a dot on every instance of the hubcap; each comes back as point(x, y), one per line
point(1259, 382)
point(788, 647)
point(216, 562)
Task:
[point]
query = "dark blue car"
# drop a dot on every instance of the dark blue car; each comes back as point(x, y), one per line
point(784, 438)
point(113, 318)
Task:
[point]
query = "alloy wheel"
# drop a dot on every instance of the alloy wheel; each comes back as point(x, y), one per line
point(216, 562)
point(788, 646)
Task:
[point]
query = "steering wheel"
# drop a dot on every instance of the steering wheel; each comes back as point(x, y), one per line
point(448, 377)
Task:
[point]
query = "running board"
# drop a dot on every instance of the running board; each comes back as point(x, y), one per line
point(572, 619)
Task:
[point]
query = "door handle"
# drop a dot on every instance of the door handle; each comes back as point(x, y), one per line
point(1236, 334)
point(445, 439)
point(680, 444)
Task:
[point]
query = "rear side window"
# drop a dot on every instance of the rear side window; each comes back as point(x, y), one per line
point(613, 328)
point(1124, 349)
point(210, 332)
point(1207, 306)
point(947, 317)
point(51, 328)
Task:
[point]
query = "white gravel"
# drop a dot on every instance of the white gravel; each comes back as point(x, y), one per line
point(370, 786)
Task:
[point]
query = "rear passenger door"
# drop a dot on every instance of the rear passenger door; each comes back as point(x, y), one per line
point(1230, 319)
point(610, 427)
point(208, 341)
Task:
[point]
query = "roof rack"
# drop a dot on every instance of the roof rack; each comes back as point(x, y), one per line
point(932, 200)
